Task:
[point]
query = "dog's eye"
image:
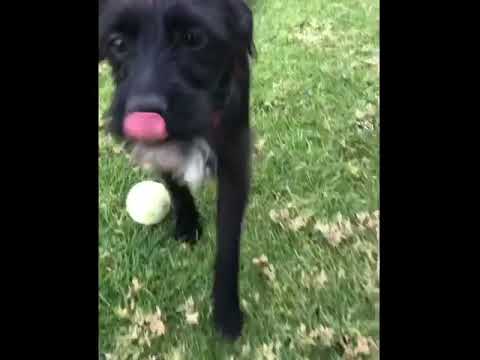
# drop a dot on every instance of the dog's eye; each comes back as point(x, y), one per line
point(118, 45)
point(190, 39)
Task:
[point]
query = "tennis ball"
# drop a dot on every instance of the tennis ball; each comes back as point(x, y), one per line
point(148, 202)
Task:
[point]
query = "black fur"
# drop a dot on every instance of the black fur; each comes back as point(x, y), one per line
point(186, 60)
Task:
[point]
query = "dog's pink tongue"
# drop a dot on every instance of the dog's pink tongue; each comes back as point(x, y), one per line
point(145, 126)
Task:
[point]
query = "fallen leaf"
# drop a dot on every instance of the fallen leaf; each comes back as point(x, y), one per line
point(266, 268)
point(245, 304)
point(371, 110)
point(117, 149)
point(348, 352)
point(304, 338)
point(266, 352)
point(362, 347)
point(139, 317)
point(362, 216)
point(192, 318)
point(145, 340)
point(121, 312)
point(334, 236)
point(157, 327)
point(136, 285)
point(372, 61)
point(175, 354)
point(322, 227)
point(360, 114)
point(188, 308)
point(261, 261)
point(326, 335)
point(278, 346)
point(300, 221)
point(260, 144)
point(270, 273)
point(135, 332)
point(155, 323)
point(321, 279)
point(373, 344)
point(279, 216)
point(246, 349)
point(372, 223)
point(297, 223)
point(189, 304)
point(347, 228)
point(353, 169)
point(339, 229)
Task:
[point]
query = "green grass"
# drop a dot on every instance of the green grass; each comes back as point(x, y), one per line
point(315, 107)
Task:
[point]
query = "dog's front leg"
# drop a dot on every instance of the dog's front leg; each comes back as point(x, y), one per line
point(187, 219)
point(233, 184)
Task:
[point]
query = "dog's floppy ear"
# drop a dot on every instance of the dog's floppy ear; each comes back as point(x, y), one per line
point(243, 26)
point(101, 46)
point(101, 5)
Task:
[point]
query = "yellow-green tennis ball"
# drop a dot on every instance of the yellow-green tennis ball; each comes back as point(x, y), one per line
point(148, 202)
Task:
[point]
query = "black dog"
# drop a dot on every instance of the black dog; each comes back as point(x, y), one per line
point(188, 61)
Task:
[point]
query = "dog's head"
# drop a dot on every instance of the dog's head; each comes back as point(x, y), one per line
point(174, 58)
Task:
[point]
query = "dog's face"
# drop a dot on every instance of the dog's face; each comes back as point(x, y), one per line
point(174, 58)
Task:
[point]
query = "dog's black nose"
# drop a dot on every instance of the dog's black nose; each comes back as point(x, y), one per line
point(147, 103)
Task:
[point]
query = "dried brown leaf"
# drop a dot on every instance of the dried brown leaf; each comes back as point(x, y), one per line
point(175, 354)
point(121, 312)
point(266, 268)
point(362, 217)
point(155, 323)
point(136, 286)
point(265, 352)
point(360, 114)
point(321, 279)
point(326, 335)
point(157, 327)
point(362, 347)
point(260, 144)
point(300, 221)
point(188, 308)
point(246, 349)
point(297, 223)
point(261, 261)
point(279, 216)
point(192, 318)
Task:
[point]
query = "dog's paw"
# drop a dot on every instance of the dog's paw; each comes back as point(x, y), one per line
point(188, 229)
point(229, 322)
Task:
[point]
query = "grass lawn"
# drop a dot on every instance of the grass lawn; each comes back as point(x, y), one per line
point(309, 278)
